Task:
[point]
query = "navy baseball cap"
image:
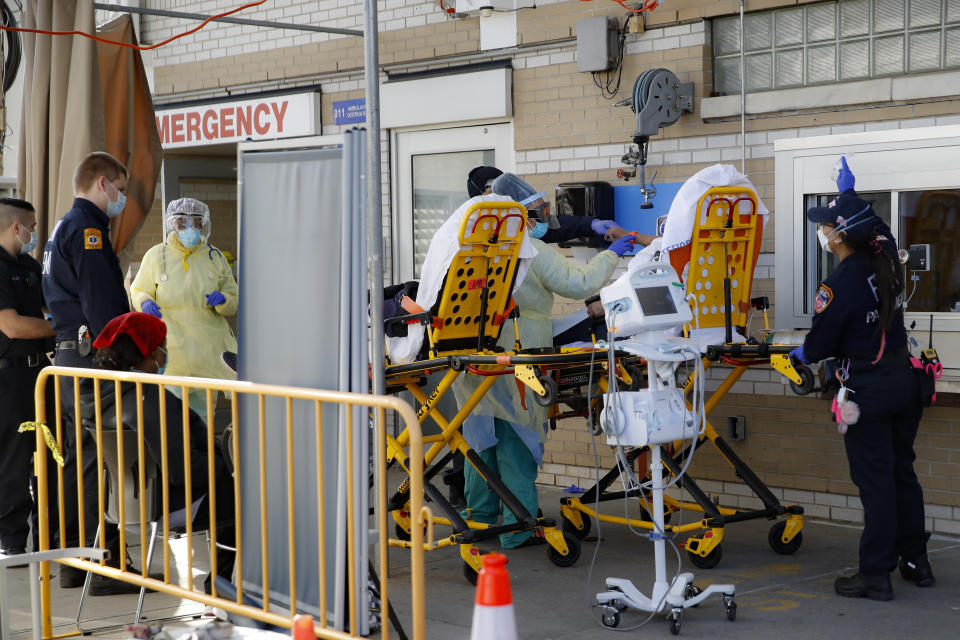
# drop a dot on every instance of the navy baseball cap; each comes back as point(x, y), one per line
point(478, 178)
point(845, 208)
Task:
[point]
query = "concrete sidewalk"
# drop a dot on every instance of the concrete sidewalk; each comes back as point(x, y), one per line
point(778, 596)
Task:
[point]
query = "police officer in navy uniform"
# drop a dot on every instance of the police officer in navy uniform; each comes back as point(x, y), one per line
point(82, 280)
point(83, 287)
point(858, 321)
point(25, 339)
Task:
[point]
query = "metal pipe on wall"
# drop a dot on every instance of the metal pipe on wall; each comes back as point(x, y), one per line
point(743, 100)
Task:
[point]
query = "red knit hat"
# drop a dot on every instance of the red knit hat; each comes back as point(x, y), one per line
point(146, 331)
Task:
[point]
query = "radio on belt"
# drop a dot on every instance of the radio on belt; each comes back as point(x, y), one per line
point(646, 298)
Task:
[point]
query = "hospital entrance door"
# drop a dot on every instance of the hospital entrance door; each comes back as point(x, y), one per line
point(430, 182)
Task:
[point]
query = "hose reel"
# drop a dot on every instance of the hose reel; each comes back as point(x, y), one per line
point(659, 99)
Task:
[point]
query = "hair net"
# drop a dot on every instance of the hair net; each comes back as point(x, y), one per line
point(187, 212)
point(516, 188)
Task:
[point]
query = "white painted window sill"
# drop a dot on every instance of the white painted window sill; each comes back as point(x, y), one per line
point(864, 92)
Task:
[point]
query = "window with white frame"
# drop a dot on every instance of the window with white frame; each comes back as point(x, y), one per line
point(835, 42)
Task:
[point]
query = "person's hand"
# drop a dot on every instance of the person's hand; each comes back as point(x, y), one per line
point(595, 310)
point(151, 307)
point(845, 179)
point(615, 233)
point(621, 245)
point(799, 355)
point(215, 298)
point(600, 227)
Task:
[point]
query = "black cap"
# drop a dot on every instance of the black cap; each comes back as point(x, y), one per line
point(844, 207)
point(478, 178)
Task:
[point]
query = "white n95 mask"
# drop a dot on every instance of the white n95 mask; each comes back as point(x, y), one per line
point(824, 241)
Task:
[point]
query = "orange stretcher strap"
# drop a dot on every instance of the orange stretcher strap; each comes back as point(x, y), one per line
point(499, 318)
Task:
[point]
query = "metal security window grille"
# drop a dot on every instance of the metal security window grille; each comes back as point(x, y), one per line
point(835, 42)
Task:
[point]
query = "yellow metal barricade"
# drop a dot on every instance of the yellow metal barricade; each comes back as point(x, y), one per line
point(50, 437)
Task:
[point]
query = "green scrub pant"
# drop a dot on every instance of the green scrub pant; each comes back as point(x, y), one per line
point(510, 458)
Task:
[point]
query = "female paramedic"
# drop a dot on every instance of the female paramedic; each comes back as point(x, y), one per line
point(858, 320)
point(508, 437)
point(188, 282)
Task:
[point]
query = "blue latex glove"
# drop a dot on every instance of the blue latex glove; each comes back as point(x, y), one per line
point(152, 308)
point(600, 227)
point(799, 355)
point(215, 298)
point(845, 179)
point(621, 245)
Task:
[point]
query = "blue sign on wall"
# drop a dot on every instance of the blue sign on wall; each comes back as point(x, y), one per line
point(350, 111)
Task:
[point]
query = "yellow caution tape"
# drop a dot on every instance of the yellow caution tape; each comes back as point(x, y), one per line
point(47, 437)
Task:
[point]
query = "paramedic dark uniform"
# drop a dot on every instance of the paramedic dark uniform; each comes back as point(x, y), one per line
point(82, 280)
point(83, 286)
point(880, 445)
point(570, 227)
point(20, 363)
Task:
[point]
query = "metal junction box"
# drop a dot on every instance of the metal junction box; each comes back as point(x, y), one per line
point(598, 42)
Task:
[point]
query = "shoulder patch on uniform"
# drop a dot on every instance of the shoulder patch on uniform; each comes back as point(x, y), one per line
point(92, 239)
point(823, 299)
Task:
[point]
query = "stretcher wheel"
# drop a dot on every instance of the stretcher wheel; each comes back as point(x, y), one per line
point(579, 534)
point(550, 386)
point(775, 538)
point(469, 573)
point(573, 552)
point(611, 618)
point(807, 381)
point(708, 561)
point(401, 533)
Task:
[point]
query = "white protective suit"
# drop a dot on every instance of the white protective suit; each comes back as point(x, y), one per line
point(178, 280)
point(550, 273)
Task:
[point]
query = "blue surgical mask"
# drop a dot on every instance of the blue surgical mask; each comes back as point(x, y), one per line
point(31, 245)
point(189, 238)
point(115, 208)
point(539, 230)
point(160, 370)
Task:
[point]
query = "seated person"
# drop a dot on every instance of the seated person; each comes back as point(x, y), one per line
point(135, 342)
point(508, 436)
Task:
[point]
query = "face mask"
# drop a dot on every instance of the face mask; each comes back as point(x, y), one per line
point(539, 230)
point(115, 208)
point(29, 245)
point(189, 238)
point(160, 370)
point(824, 241)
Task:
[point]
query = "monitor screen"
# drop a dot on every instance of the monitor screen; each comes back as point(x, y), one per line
point(656, 301)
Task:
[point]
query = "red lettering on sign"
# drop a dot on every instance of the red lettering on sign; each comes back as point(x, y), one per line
point(475, 284)
point(226, 123)
point(210, 129)
point(163, 128)
point(279, 114)
point(244, 120)
point(176, 125)
point(261, 126)
point(193, 125)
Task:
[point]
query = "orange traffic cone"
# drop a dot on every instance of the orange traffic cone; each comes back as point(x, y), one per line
point(303, 627)
point(493, 608)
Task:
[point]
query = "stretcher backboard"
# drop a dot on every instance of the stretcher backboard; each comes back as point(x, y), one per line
point(726, 240)
point(476, 291)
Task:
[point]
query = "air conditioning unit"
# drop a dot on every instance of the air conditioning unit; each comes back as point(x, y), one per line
point(485, 7)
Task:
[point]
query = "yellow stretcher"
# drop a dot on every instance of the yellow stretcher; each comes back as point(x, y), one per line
point(720, 262)
point(462, 332)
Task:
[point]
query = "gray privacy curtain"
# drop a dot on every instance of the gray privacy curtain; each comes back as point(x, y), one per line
point(303, 322)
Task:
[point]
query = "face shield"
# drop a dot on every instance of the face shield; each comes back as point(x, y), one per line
point(539, 210)
point(189, 216)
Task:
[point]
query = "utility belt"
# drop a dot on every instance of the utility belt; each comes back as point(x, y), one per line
point(83, 345)
point(896, 360)
point(24, 362)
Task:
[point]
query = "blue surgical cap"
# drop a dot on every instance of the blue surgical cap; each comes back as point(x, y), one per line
point(516, 188)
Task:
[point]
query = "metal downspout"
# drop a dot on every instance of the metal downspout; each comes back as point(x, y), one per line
point(743, 99)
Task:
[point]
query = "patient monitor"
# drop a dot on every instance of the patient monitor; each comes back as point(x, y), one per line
point(647, 298)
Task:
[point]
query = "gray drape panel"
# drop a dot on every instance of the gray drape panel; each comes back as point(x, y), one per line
point(303, 299)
